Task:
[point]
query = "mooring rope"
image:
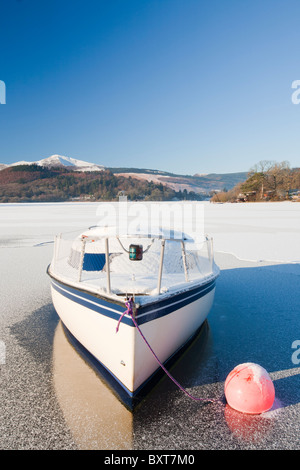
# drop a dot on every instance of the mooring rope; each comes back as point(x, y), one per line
point(129, 311)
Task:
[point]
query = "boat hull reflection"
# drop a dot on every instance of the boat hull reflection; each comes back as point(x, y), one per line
point(96, 417)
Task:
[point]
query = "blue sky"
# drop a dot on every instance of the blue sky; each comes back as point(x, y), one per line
point(186, 86)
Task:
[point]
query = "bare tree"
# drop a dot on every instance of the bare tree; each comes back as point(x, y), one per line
point(279, 176)
point(261, 170)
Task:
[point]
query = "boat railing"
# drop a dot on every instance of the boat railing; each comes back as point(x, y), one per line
point(107, 264)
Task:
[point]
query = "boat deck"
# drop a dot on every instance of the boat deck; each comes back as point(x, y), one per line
point(141, 286)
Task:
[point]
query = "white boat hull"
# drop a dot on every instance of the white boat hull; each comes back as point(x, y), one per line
point(167, 325)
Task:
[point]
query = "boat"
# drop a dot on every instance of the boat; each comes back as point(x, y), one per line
point(132, 301)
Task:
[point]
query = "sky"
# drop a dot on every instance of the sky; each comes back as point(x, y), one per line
point(184, 86)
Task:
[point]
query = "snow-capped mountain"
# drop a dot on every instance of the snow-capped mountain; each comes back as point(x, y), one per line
point(62, 161)
point(198, 183)
point(77, 165)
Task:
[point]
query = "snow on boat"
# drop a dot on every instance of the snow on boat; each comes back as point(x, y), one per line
point(169, 278)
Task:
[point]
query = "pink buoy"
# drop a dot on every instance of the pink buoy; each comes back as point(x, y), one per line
point(249, 389)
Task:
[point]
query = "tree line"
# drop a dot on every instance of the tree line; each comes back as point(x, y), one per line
point(24, 183)
point(266, 181)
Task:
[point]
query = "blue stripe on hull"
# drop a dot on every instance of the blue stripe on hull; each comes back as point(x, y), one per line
point(91, 302)
point(144, 313)
point(164, 307)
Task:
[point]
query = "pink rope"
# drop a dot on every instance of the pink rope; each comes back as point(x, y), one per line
point(129, 311)
point(121, 317)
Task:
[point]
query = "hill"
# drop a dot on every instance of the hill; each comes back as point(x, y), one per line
point(15, 186)
point(35, 183)
point(62, 162)
point(200, 184)
point(267, 181)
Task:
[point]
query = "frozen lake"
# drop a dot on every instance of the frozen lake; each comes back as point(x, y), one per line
point(50, 398)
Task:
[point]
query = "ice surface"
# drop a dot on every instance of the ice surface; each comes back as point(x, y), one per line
point(255, 318)
point(257, 231)
point(254, 231)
